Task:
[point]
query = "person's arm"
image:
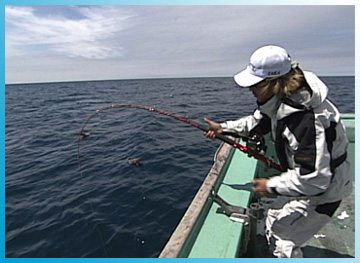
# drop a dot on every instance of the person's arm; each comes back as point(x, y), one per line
point(243, 126)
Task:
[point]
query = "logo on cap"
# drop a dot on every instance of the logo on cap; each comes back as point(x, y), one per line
point(273, 73)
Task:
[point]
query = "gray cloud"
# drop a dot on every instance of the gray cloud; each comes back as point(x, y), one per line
point(88, 37)
point(115, 42)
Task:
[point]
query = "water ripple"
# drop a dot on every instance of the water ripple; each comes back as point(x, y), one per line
point(112, 209)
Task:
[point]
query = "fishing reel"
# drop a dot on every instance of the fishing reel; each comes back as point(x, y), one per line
point(256, 144)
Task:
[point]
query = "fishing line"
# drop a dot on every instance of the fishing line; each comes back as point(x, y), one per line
point(203, 127)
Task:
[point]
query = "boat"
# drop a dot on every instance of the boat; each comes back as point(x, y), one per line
point(226, 219)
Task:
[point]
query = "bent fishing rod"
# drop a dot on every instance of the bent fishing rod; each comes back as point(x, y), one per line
point(203, 127)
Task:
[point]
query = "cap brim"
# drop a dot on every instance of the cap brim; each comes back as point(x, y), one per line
point(246, 79)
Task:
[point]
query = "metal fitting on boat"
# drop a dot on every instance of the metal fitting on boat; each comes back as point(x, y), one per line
point(257, 210)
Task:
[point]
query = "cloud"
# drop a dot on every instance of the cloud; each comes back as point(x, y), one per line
point(119, 42)
point(91, 36)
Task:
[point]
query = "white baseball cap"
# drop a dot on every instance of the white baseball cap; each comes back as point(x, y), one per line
point(265, 62)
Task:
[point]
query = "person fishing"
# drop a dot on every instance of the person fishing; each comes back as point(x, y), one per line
point(310, 143)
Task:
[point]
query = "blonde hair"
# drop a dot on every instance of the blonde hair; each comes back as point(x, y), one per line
point(284, 85)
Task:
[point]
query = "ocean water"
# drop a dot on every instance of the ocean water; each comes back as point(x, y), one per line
point(112, 209)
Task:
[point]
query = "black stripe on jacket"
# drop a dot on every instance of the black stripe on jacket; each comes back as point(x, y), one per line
point(302, 126)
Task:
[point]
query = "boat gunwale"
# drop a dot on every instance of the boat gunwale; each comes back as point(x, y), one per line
point(179, 239)
point(176, 245)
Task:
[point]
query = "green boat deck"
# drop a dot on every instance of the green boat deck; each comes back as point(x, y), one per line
point(206, 232)
point(218, 228)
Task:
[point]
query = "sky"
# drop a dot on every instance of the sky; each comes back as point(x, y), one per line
point(74, 43)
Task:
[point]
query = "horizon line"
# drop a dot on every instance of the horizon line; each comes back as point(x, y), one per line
point(141, 78)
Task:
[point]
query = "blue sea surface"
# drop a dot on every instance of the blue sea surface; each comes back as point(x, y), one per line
point(112, 209)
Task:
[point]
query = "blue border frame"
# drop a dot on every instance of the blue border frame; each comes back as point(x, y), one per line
point(159, 2)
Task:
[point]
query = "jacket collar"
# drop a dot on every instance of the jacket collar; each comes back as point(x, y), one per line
point(270, 106)
point(310, 96)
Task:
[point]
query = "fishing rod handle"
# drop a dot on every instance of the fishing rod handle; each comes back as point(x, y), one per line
point(244, 149)
point(205, 128)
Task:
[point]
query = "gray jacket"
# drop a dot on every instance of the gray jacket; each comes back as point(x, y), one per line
point(310, 142)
